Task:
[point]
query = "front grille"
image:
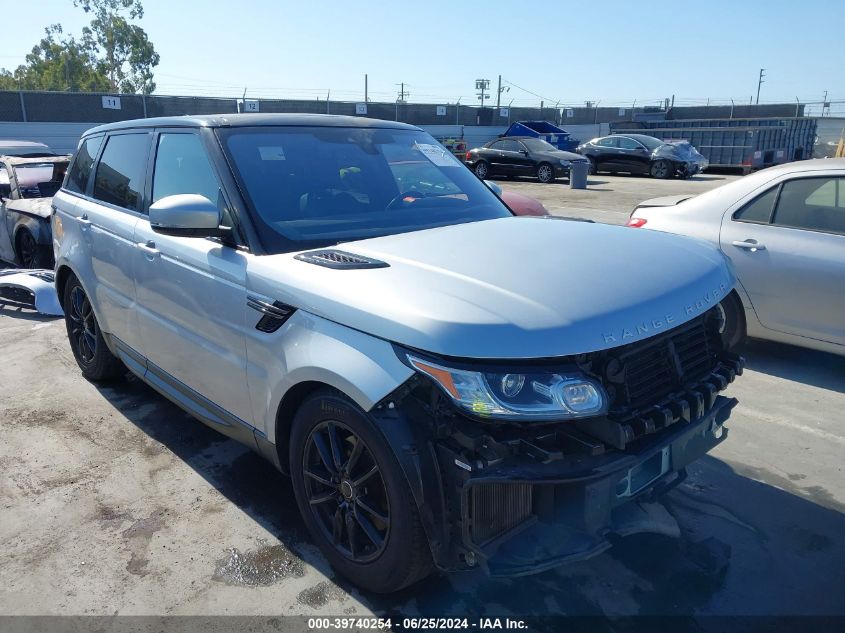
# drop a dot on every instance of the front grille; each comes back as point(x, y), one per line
point(495, 509)
point(641, 373)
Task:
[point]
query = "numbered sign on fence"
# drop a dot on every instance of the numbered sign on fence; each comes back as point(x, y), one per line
point(360, 108)
point(111, 103)
point(441, 110)
point(504, 112)
point(570, 113)
point(251, 105)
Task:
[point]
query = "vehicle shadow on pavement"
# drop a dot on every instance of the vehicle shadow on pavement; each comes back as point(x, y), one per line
point(819, 369)
point(746, 547)
point(24, 314)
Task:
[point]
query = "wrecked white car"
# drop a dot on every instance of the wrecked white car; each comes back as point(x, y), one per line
point(27, 186)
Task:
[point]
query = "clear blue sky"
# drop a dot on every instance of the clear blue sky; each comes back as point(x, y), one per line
point(612, 51)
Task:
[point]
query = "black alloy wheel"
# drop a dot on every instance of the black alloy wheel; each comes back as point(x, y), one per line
point(346, 492)
point(82, 326)
point(27, 250)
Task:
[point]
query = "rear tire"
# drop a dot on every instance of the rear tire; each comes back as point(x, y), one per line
point(86, 339)
point(482, 169)
point(545, 173)
point(661, 169)
point(30, 254)
point(329, 484)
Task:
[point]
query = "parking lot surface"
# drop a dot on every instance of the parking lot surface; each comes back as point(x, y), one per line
point(114, 501)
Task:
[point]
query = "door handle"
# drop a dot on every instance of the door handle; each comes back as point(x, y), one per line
point(149, 248)
point(749, 245)
point(83, 220)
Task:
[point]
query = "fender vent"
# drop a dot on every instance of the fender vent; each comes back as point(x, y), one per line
point(331, 258)
point(274, 314)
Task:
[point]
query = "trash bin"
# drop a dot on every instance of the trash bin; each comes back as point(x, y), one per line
point(578, 174)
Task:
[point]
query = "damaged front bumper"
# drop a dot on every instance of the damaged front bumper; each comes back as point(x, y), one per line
point(521, 517)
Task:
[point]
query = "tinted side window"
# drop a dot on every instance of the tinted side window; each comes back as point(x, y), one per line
point(812, 203)
point(511, 146)
point(628, 143)
point(500, 145)
point(759, 209)
point(182, 166)
point(120, 172)
point(608, 142)
point(77, 178)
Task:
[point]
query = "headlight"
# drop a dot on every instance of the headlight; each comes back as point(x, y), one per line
point(565, 163)
point(529, 396)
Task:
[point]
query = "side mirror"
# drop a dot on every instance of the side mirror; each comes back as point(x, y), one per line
point(187, 215)
point(493, 187)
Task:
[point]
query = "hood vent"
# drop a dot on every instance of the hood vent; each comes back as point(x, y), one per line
point(331, 258)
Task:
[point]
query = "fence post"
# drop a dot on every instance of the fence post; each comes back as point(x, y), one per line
point(144, 101)
point(23, 105)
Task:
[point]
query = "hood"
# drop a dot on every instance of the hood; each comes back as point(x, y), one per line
point(509, 288)
point(36, 207)
point(665, 201)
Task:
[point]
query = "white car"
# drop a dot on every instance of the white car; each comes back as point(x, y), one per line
point(784, 230)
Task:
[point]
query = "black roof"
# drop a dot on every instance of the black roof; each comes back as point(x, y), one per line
point(253, 119)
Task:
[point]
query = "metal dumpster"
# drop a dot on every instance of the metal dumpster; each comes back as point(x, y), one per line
point(549, 132)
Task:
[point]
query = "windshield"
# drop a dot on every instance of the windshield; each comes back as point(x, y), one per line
point(538, 145)
point(40, 180)
point(317, 186)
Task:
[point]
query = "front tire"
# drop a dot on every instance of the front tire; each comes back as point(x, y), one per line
point(86, 339)
point(732, 327)
point(481, 169)
point(353, 495)
point(661, 169)
point(545, 173)
point(29, 253)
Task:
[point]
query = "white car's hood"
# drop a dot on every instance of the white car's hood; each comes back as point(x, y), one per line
point(509, 288)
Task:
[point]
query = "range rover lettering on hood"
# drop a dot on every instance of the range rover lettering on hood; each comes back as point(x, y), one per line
point(514, 287)
point(667, 321)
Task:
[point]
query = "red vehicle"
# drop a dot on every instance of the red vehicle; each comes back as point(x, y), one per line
point(518, 203)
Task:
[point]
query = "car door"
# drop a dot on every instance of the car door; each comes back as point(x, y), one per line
point(522, 164)
point(633, 157)
point(191, 291)
point(105, 218)
point(495, 155)
point(606, 156)
point(7, 251)
point(788, 248)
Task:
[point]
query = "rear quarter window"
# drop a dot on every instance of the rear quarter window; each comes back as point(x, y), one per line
point(80, 170)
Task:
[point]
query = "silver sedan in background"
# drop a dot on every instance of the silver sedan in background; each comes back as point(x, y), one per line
point(784, 230)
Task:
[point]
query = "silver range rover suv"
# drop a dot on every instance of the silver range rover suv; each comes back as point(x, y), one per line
point(447, 385)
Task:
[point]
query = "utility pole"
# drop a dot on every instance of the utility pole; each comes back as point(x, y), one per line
point(760, 82)
point(825, 104)
point(482, 85)
point(499, 93)
point(366, 98)
point(403, 96)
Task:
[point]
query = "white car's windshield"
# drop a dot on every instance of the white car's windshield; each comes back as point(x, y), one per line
point(315, 186)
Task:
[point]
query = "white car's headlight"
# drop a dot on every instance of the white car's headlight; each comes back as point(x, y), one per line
point(518, 396)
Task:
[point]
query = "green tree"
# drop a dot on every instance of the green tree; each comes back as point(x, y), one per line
point(57, 62)
point(124, 53)
point(113, 55)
